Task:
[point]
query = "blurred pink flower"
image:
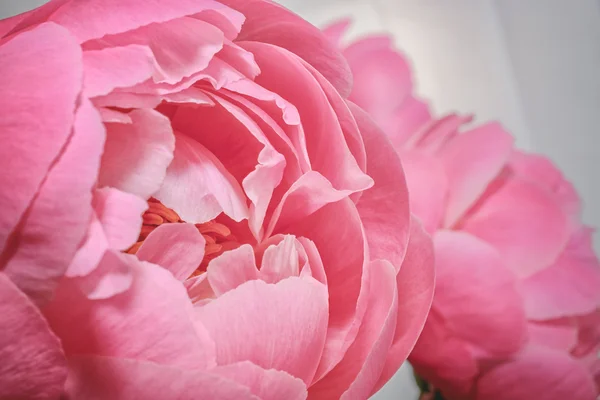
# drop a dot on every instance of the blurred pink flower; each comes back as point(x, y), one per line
point(190, 209)
point(516, 310)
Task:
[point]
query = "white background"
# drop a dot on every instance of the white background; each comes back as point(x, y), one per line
point(532, 64)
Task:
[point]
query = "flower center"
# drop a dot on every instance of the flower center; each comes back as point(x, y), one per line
point(217, 236)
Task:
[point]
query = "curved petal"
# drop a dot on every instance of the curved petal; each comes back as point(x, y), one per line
point(477, 294)
point(538, 372)
point(58, 219)
point(231, 269)
point(268, 22)
point(383, 208)
point(571, 286)
point(178, 248)
point(281, 326)
point(336, 30)
point(33, 363)
point(472, 160)
point(152, 321)
point(107, 378)
point(136, 155)
point(34, 101)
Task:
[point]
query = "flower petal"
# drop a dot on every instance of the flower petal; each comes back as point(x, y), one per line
point(231, 269)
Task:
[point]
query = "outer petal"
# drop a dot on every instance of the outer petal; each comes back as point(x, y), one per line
point(477, 294)
point(472, 160)
point(523, 222)
point(357, 373)
point(107, 378)
point(57, 220)
point(269, 22)
point(336, 30)
point(571, 286)
point(279, 326)
point(136, 155)
point(176, 247)
point(34, 100)
point(33, 364)
point(538, 372)
point(383, 208)
point(152, 321)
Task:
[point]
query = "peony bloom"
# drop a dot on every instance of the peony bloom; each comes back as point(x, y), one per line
point(191, 210)
point(516, 314)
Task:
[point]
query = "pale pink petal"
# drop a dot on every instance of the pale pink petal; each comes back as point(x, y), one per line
point(120, 214)
point(266, 384)
point(415, 285)
point(472, 160)
point(383, 208)
point(280, 261)
point(268, 22)
point(199, 289)
point(94, 19)
point(558, 334)
point(57, 221)
point(110, 115)
point(136, 155)
point(357, 373)
point(107, 378)
point(407, 122)
point(176, 247)
point(570, 286)
point(118, 67)
point(314, 261)
point(38, 108)
point(523, 222)
point(279, 326)
point(111, 276)
point(231, 269)
point(336, 30)
point(538, 372)
point(33, 364)
point(478, 294)
point(151, 321)
point(198, 187)
point(434, 135)
point(91, 251)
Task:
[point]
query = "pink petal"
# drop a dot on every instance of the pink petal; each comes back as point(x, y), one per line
point(111, 276)
point(477, 294)
point(523, 222)
point(34, 101)
point(357, 373)
point(383, 209)
point(198, 187)
point(279, 326)
point(57, 221)
point(33, 363)
point(558, 334)
point(90, 253)
point(407, 122)
point(118, 67)
point(178, 248)
point(268, 22)
point(472, 160)
point(336, 30)
point(538, 372)
point(152, 321)
point(280, 261)
point(136, 155)
point(265, 384)
point(107, 378)
point(231, 269)
point(97, 18)
point(571, 286)
point(415, 286)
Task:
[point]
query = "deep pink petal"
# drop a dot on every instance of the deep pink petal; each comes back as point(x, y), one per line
point(231, 269)
point(477, 294)
point(33, 363)
point(571, 286)
point(57, 221)
point(107, 378)
point(524, 223)
point(152, 321)
point(472, 160)
point(357, 373)
point(198, 187)
point(38, 108)
point(279, 326)
point(176, 247)
point(538, 372)
point(268, 22)
point(136, 155)
point(558, 334)
point(383, 208)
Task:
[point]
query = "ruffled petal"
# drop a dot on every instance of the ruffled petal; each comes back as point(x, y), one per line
point(231, 269)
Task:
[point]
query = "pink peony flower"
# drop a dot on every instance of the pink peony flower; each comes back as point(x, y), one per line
point(191, 210)
point(516, 313)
